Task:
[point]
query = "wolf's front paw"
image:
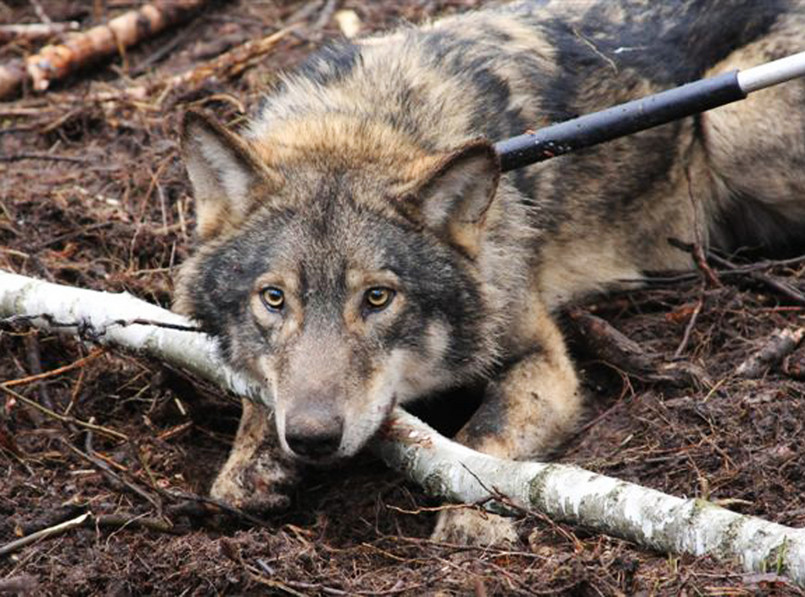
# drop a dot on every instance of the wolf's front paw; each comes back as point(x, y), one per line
point(257, 483)
point(472, 527)
point(257, 476)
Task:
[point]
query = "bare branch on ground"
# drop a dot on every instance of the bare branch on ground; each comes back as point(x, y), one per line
point(55, 62)
point(650, 518)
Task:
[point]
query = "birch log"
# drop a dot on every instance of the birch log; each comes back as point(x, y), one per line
point(567, 493)
point(55, 62)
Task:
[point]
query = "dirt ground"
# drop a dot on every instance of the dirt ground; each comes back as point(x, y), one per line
point(92, 194)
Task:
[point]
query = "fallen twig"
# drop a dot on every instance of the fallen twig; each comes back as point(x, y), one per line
point(47, 374)
point(613, 347)
point(108, 472)
point(88, 519)
point(565, 493)
point(63, 418)
point(57, 61)
point(231, 63)
point(46, 157)
point(35, 31)
point(780, 344)
point(58, 529)
point(690, 325)
point(768, 280)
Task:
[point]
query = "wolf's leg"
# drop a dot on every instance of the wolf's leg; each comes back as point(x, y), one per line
point(526, 413)
point(257, 475)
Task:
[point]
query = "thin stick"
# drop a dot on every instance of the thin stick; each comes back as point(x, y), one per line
point(46, 157)
point(74, 365)
point(107, 470)
point(691, 324)
point(44, 534)
point(63, 418)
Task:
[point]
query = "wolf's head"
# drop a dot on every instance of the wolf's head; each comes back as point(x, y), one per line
point(337, 264)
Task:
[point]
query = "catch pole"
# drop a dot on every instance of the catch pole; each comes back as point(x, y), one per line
point(645, 113)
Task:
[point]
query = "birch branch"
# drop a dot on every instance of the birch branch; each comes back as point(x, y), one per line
point(57, 61)
point(566, 493)
point(34, 31)
point(122, 320)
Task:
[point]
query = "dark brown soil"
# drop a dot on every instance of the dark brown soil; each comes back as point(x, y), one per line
point(92, 194)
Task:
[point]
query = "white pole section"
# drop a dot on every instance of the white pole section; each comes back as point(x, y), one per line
point(772, 73)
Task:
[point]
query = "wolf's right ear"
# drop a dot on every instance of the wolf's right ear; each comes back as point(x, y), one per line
point(453, 192)
point(223, 171)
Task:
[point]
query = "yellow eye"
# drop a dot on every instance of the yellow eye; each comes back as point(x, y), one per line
point(378, 298)
point(273, 298)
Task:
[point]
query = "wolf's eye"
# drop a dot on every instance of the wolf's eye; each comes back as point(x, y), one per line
point(273, 298)
point(378, 298)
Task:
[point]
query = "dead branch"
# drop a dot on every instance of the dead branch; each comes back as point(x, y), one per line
point(773, 282)
point(47, 374)
point(615, 348)
point(228, 65)
point(231, 63)
point(565, 493)
point(58, 529)
point(63, 418)
point(35, 31)
point(55, 62)
point(779, 345)
point(88, 520)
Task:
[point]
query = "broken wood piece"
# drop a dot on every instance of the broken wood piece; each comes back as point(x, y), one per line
point(780, 344)
point(24, 584)
point(55, 62)
point(34, 31)
point(615, 348)
point(231, 63)
point(227, 65)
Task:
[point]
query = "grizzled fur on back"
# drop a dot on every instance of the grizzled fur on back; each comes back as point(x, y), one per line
point(359, 247)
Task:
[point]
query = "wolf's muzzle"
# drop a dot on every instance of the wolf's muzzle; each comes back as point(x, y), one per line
point(313, 435)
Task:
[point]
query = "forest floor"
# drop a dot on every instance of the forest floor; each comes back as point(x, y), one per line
point(93, 194)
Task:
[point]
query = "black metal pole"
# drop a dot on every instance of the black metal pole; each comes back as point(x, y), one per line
point(619, 121)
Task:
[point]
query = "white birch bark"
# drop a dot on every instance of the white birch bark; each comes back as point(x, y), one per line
point(563, 492)
point(102, 317)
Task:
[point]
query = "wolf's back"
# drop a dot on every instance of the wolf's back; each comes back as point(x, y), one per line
point(670, 42)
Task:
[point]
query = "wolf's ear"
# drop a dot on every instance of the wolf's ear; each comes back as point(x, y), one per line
point(453, 196)
point(223, 171)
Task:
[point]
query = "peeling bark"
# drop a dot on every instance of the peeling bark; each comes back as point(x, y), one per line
point(567, 493)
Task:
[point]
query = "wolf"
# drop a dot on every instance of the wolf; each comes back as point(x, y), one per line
point(359, 248)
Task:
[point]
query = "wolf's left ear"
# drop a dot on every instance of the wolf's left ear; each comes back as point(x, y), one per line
point(453, 197)
point(223, 171)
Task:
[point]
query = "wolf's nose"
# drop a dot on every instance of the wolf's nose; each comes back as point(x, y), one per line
point(313, 437)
